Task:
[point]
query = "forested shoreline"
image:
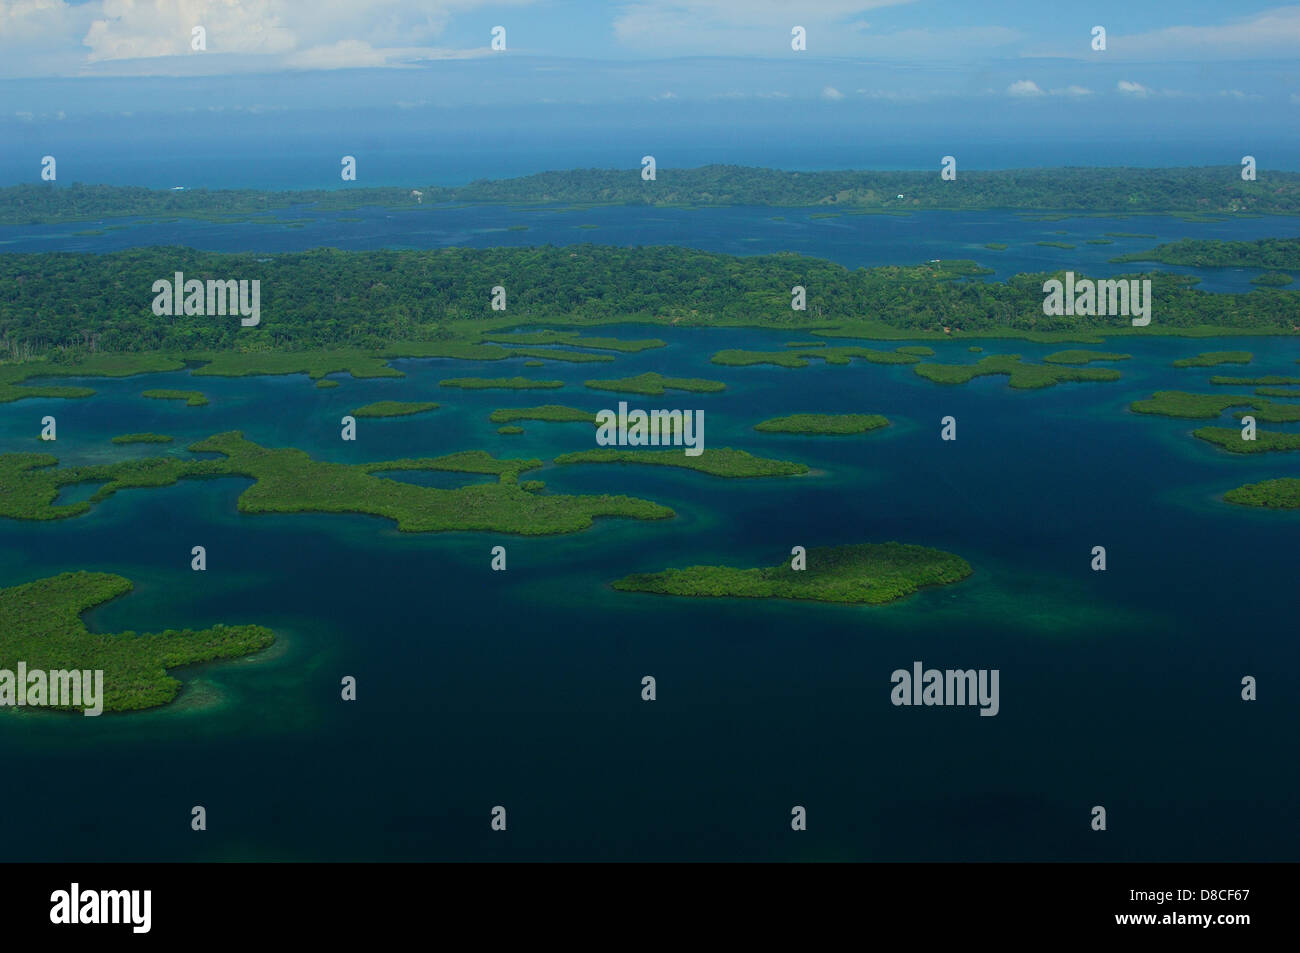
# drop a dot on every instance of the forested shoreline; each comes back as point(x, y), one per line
point(77, 303)
point(1212, 190)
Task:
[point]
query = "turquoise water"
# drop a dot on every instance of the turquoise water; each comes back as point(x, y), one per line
point(522, 688)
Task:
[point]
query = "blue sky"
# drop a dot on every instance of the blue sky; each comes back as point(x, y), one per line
point(924, 70)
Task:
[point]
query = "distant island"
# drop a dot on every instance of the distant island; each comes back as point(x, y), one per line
point(1216, 189)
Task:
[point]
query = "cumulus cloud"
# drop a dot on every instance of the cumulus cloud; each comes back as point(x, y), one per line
point(831, 93)
point(1024, 87)
point(1130, 88)
point(122, 36)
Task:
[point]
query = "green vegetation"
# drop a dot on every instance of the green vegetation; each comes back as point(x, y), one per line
point(1275, 253)
point(1065, 245)
point(1281, 494)
point(1214, 358)
point(1267, 379)
point(92, 364)
point(654, 384)
point(576, 339)
point(1272, 279)
point(192, 398)
point(326, 382)
point(1100, 241)
point(805, 343)
point(40, 624)
point(1020, 376)
point(823, 423)
point(534, 363)
point(1131, 235)
point(327, 311)
point(721, 463)
point(831, 355)
point(1084, 356)
point(1277, 391)
point(143, 438)
point(975, 349)
point(510, 429)
point(552, 413)
point(499, 383)
point(1177, 403)
point(862, 574)
point(996, 246)
point(394, 408)
point(1203, 191)
point(1267, 411)
point(315, 364)
point(917, 350)
point(289, 481)
point(1229, 438)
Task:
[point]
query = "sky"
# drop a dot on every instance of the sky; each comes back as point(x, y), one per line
point(705, 80)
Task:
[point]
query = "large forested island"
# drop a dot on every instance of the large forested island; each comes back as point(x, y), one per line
point(385, 304)
point(290, 481)
point(1216, 189)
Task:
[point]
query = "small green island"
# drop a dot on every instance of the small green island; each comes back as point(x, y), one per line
point(1279, 494)
point(1065, 245)
point(192, 398)
point(1178, 403)
point(996, 246)
point(1084, 356)
point(40, 624)
point(734, 357)
point(1272, 279)
point(655, 384)
point(1266, 380)
point(142, 438)
point(394, 408)
point(552, 413)
point(860, 574)
point(724, 462)
point(823, 424)
point(510, 429)
point(1215, 358)
point(917, 350)
point(499, 383)
point(1019, 375)
point(1230, 439)
point(327, 382)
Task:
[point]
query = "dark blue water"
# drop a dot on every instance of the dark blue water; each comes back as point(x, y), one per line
point(852, 240)
point(522, 688)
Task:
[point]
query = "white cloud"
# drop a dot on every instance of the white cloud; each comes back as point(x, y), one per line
point(1130, 88)
point(1269, 33)
point(831, 93)
point(153, 37)
point(1072, 90)
point(1024, 87)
